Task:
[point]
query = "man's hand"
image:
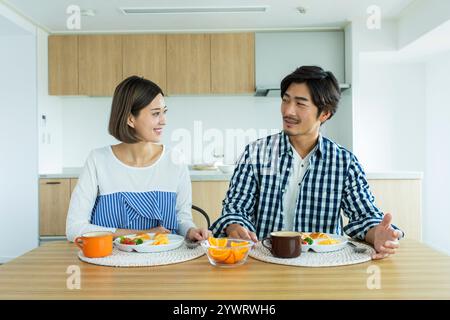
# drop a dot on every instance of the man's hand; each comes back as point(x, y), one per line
point(384, 238)
point(199, 234)
point(237, 231)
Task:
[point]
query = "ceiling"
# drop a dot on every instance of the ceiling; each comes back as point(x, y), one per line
point(281, 14)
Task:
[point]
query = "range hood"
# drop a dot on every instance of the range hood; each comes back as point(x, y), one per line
point(275, 92)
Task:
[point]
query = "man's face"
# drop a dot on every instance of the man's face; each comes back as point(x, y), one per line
point(300, 114)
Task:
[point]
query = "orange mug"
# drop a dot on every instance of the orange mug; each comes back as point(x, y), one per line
point(95, 244)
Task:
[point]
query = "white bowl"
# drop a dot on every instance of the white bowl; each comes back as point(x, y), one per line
point(226, 168)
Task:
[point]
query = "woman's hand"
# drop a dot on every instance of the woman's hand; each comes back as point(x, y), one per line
point(198, 234)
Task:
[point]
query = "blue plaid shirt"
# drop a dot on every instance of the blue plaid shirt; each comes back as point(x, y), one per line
point(334, 180)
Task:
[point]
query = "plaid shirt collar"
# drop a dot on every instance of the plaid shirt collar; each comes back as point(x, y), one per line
point(285, 146)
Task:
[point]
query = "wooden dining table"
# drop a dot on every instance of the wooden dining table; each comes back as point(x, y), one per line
point(415, 272)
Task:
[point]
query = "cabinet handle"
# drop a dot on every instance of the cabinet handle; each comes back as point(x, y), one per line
point(55, 182)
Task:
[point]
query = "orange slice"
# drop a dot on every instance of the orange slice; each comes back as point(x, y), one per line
point(239, 254)
point(217, 242)
point(231, 258)
point(219, 255)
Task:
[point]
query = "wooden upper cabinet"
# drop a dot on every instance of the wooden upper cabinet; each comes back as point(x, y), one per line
point(63, 65)
point(100, 64)
point(188, 64)
point(145, 56)
point(233, 63)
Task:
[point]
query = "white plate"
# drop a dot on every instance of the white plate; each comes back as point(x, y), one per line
point(175, 241)
point(326, 247)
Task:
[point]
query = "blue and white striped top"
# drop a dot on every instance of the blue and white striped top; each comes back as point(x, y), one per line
point(110, 195)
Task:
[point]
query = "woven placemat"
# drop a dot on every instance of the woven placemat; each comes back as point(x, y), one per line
point(134, 259)
point(342, 257)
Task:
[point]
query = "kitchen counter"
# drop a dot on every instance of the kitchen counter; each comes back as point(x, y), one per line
point(415, 272)
point(217, 175)
point(196, 175)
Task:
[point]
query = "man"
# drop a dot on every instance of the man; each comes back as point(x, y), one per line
point(299, 180)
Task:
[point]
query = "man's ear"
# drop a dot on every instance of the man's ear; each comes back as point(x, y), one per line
point(130, 121)
point(325, 116)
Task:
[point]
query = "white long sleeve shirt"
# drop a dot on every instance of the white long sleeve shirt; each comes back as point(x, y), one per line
point(111, 195)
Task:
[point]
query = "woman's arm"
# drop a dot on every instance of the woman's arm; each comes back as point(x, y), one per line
point(184, 203)
point(82, 202)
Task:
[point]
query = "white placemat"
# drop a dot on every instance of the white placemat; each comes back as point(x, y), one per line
point(342, 257)
point(134, 259)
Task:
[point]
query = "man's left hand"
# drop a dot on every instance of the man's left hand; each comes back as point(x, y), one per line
point(384, 238)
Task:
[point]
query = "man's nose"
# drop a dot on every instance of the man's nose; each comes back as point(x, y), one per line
point(289, 109)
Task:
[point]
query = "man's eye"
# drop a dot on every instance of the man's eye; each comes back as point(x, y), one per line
point(165, 111)
point(156, 114)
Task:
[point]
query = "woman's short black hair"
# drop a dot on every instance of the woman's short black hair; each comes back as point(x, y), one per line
point(322, 85)
point(130, 97)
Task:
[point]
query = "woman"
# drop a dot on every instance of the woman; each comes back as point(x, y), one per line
point(137, 185)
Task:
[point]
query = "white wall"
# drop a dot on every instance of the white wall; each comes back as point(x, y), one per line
point(18, 131)
point(437, 153)
point(389, 127)
point(206, 120)
point(50, 130)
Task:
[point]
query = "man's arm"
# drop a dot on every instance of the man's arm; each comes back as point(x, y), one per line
point(239, 203)
point(358, 205)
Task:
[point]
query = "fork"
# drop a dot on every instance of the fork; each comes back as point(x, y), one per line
point(356, 248)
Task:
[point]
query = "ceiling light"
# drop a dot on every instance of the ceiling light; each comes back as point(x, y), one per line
point(128, 11)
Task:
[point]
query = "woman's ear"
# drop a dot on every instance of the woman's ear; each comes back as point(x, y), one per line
point(130, 121)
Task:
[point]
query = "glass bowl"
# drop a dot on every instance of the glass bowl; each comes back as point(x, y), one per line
point(232, 253)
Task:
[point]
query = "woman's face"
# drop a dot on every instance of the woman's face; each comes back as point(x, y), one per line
point(150, 121)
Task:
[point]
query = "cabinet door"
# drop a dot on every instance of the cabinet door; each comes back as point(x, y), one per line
point(188, 64)
point(100, 64)
point(63, 65)
point(73, 183)
point(145, 56)
point(403, 199)
point(54, 196)
point(233, 63)
point(208, 195)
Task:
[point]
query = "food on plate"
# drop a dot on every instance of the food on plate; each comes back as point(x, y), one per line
point(329, 241)
point(318, 238)
point(143, 236)
point(160, 238)
point(319, 235)
point(131, 241)
point(227, 254)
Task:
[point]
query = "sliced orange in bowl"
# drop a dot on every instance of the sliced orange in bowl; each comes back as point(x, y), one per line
point(217, 242)
point(219, 255)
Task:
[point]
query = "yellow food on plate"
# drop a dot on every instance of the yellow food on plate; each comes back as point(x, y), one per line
point(143, 236)
point(160, 238)
point(319, 235)
point(329, 241)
